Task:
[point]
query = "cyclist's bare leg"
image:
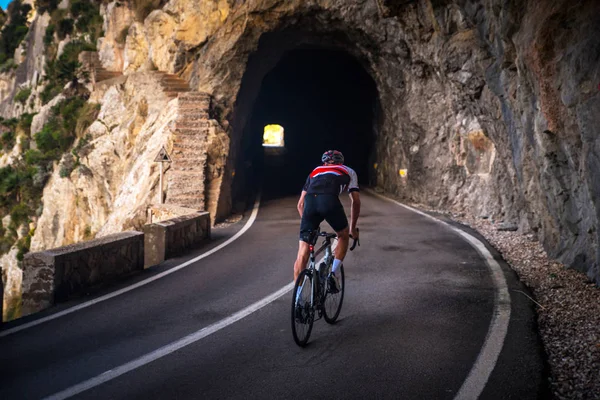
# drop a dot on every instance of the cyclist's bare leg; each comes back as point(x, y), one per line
point(302, 259)
point(342, 246)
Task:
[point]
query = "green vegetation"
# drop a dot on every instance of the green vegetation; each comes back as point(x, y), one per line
point(82, 21)
point(13, 33)
point(64, 28)
point(23, 95)
point(8, 133)
point(87, 18)
point(63, 70)
point(22, 183)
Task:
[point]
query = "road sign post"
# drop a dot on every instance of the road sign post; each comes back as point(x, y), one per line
point(161, 158)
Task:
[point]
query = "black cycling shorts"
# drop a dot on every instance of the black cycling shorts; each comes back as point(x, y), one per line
point(319, 207)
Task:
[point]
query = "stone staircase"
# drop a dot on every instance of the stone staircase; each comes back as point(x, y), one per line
point(173, 85)
point(186, 177)
point(91, 62)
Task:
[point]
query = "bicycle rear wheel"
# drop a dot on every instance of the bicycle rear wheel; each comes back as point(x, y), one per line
point(302, 309)
point(332, 305)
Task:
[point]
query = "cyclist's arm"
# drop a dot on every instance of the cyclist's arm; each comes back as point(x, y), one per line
point(301, 203)
point(354, 212)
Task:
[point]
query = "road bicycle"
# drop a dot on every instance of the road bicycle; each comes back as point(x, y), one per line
point(313, 298)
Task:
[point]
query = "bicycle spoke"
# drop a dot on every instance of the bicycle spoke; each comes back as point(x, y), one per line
point(333, 301)
point(302, 311)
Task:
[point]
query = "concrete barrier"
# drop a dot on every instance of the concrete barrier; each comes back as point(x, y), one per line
point(58, 274)
point(170, 238)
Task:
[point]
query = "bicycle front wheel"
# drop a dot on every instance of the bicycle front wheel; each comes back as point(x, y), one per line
point(332, 305)
point(302, 309)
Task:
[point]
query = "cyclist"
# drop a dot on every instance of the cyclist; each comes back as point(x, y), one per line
point(320, 201)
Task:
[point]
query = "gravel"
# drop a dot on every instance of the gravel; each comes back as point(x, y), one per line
point(567, 304)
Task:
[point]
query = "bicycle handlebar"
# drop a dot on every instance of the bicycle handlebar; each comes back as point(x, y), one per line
point(356, 241)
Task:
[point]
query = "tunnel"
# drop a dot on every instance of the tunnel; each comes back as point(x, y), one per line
point(324, 99)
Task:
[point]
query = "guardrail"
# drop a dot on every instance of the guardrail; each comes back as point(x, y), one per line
point(66, 272)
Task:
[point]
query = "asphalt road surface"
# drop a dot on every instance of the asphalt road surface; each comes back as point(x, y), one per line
point(419, 304)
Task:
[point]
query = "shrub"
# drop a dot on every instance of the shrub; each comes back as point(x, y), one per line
point(88, 114)
point(25, 123)
point(46, 5)
point(13, 33)
point(63, 70)
point(52, 140)
point(64, 28)
point(23, 246)
point(23, 95)
point(19, 214)
point(88, 18)
point(8, 65)
point(49, 35)
point(8, 139)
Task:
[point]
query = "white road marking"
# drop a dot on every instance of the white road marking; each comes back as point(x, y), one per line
point(170, 348)
point(141, 283)
point(494, 341)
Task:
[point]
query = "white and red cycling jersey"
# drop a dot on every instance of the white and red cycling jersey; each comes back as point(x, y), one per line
point(331, 179)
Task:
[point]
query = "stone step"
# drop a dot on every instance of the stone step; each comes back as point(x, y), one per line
point(174, 88)
point(185, 202)
point(203, 124)
point(188, 161)
point(189, 156)
point(197, 195)
point(177, 89)
point(191, 109)
point(195, 96)
point(183, 188)
point(189, 116)
point(189, 148)
point(196, 168)
point(195, 132)
point(188, 197)
point(172, 80)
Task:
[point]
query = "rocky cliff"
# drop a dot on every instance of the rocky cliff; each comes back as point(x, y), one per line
point(491, 107)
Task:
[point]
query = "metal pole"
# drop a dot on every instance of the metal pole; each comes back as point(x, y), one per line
point(161, 184)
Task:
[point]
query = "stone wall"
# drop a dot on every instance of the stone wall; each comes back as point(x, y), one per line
point(56, 275)
point(173, 237)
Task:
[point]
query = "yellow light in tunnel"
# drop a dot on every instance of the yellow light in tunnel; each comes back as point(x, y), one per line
point(273, 136)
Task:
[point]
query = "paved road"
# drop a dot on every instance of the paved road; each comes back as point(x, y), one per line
point(418, 307)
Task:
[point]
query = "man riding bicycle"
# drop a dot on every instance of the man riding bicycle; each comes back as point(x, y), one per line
point(320, 201)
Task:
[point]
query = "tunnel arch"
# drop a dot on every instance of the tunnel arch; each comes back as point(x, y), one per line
point(324, 99)
point(273, 49)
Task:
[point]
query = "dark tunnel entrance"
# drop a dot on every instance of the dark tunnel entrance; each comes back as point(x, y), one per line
point(324, 99)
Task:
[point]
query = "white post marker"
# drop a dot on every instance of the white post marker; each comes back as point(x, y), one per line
point(161, 158)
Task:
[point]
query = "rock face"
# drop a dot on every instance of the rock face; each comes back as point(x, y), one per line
point(28, 73)
point(117, 179)
point(489, 107)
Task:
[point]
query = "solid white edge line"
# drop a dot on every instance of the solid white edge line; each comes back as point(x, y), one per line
point(475, 382)
point(170, 348)
point(139, 284)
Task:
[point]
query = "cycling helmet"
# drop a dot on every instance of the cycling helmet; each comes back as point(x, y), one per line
point(332, 157)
